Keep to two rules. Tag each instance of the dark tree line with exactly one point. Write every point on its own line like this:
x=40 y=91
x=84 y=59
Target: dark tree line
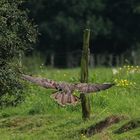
x=114 y=25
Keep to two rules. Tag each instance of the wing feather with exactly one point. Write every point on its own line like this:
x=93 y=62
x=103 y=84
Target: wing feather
x=47 y=83
x=88 y=88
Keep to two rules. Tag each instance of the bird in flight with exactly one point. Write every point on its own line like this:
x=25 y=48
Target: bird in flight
x=64 y=90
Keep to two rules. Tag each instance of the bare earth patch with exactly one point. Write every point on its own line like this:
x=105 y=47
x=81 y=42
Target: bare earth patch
x=128 y=126
x=100 y=126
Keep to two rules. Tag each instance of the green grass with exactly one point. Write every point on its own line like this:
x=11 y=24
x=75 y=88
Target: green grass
x=40 y=118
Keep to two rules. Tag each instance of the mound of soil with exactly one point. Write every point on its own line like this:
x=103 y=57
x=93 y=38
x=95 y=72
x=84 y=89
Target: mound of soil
x=128 y=126
x=100 y=126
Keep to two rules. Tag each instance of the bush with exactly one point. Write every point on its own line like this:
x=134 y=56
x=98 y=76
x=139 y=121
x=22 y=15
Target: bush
x=17 y=35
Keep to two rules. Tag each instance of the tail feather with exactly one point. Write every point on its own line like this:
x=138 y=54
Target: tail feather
x=64 y=99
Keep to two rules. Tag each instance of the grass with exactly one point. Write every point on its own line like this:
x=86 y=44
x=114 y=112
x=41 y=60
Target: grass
x=40 y=118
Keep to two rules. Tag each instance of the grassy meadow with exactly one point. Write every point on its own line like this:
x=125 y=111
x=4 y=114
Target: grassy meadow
x=40 y=118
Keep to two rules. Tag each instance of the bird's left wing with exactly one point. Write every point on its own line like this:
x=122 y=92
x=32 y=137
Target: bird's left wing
x=88 y=88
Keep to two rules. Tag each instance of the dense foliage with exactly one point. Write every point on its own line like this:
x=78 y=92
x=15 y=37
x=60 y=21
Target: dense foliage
x=114 y=24
x=16 y=35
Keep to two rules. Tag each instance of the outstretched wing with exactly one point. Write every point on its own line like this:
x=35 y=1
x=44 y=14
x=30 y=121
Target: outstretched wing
x=88 y=88
x=50 y=84
x=63 y=98
x=47 y=83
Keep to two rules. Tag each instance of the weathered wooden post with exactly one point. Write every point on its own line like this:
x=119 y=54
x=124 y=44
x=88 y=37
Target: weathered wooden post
x=85 y=102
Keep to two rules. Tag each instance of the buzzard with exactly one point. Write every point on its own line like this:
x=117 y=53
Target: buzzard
x=64 y=91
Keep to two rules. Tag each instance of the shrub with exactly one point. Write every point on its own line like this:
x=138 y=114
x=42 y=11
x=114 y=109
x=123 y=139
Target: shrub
x=17 y=34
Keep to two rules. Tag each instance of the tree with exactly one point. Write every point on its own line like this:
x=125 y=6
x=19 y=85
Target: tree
x=124 y=16
x=114 y=25
x=16 y=35
x=61 y=23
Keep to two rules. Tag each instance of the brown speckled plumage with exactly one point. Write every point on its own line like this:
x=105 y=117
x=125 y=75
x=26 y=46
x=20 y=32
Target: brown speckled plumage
x=64 y=94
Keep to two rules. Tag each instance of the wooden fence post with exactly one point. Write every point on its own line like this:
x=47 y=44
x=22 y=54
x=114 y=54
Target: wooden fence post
x=85 y=102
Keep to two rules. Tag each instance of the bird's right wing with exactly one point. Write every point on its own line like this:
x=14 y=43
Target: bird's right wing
x=47 y=83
